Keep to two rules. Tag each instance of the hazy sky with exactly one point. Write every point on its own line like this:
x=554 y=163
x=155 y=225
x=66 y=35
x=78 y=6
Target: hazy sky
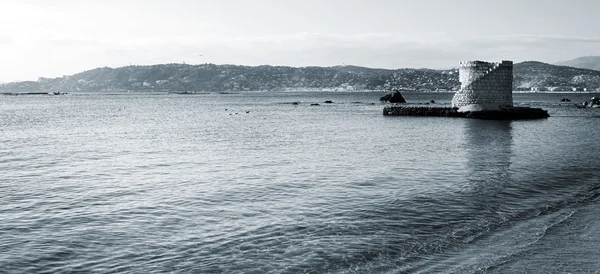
x=52 y=38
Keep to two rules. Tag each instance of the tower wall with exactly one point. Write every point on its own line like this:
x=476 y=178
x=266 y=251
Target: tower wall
x=484 y=85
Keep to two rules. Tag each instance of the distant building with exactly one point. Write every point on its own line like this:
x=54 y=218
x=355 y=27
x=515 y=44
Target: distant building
x=484 y=85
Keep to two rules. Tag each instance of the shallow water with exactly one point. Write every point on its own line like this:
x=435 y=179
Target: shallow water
x=252 y=183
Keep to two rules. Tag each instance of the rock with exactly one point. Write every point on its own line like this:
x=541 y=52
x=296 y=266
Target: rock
x=565 y=100
x=328 y=102
x=432 y=101
x=394 y=97
x=314 y=104
x=594 y=103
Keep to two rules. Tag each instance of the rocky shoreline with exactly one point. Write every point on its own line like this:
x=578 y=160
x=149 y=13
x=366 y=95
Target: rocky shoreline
x=508 y=113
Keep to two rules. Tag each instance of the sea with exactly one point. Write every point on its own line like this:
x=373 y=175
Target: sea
x=283 y=182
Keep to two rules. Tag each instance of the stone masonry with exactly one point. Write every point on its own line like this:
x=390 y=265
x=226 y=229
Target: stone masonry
x=484 y=86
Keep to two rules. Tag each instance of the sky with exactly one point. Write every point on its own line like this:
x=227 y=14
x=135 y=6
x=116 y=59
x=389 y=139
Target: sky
x=42 y=38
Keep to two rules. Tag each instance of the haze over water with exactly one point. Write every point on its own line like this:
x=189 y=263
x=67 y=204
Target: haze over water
x=251 y=183
x=40 y=38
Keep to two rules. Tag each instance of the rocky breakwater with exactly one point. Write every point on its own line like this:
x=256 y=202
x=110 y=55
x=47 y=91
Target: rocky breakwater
x=485 y=93
x=508 y=113
x=397 y=110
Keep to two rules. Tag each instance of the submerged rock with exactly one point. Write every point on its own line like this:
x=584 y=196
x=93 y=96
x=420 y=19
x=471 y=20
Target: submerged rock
x=394 y=97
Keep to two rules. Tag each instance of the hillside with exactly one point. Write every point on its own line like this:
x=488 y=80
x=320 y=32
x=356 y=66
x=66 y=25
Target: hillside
x=211 y=78
x=586 y=62
x=544 y=76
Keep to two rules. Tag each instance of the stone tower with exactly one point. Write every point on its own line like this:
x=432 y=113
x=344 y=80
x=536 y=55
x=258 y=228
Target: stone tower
x=484 y=86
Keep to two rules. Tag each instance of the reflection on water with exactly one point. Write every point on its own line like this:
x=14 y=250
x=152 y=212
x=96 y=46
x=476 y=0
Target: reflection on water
x=489 y=151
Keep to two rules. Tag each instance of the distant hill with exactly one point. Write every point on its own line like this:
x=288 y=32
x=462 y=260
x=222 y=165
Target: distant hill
x=586 y=62
x=211 y=78
x=546 y=76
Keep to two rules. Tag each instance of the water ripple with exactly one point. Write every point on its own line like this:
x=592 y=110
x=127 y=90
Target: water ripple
x=153 y=184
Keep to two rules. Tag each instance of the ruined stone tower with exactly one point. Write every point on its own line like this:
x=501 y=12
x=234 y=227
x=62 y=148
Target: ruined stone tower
x=484 y=86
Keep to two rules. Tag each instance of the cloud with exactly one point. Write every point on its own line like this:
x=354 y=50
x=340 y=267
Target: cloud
x=70 y=42
x=387 y=50
x=546 y=48
x=58 y=55
x=5 y=40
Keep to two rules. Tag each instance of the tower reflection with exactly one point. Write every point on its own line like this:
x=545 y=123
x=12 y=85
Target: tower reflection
x=489 y=151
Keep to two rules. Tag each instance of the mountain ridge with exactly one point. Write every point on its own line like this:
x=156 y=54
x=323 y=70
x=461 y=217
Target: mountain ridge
x=528 y=75
x=587 y=62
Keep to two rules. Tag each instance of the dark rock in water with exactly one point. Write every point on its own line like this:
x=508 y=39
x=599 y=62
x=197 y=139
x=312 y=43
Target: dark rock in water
x=328 y=102
x=314 y=104
x=432 y=101
x=394 y=97
x=294 y=103
x=565 y=100
x=594 y=103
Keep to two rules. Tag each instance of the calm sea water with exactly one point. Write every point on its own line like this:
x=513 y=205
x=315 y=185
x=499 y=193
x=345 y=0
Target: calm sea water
x=252 y=183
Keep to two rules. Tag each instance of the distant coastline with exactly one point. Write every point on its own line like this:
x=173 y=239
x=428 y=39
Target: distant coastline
x=529 y=76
